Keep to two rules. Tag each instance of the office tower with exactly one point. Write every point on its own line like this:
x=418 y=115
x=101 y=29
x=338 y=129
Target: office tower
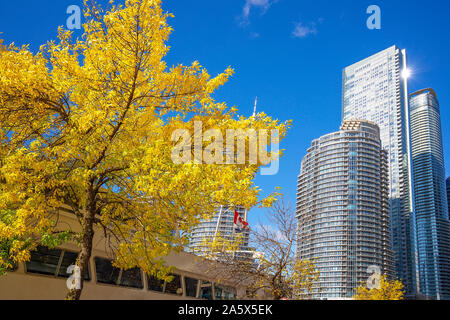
x=432 y=220
x=375 y=89
x=343 y=209
x=221 y=224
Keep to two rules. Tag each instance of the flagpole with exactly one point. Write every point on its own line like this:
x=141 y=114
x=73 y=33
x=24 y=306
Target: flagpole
x=234 y=236
x=234 y=229
x=218 y=222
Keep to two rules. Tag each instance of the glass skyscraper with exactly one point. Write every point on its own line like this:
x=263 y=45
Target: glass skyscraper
x=376 y=89
x=343 y=209
x=431 y=207
x=448 y=194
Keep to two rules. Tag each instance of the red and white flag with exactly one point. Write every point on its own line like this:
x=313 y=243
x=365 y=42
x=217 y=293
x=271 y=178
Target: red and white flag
x=239 y=222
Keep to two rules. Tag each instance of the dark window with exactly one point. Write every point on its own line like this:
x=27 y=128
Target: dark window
x=131 y=278
x=218 y=292
x=206 y=290
x=106 y=272
x=174 y=287
x=222 y=293
x=230 y=295
x=191 y=287
x=155 y=284
x=70 y=258
x=53 y=262
x=44 y=261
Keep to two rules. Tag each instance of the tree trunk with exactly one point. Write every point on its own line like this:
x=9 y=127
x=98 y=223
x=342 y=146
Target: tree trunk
x=86 y=250
x=276 y=294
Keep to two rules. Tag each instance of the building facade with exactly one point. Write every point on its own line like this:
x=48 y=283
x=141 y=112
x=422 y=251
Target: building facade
x=343 y=209
x=448 y=194
x=432 y=218
x=45 y=276
x=376 y=89
x=222 y=224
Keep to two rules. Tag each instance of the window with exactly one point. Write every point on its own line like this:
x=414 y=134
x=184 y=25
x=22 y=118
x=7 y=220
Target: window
x=106 y=272
x=230 y=295
x=206 y=290
x=218 y=291
x=155 y=284
x=69 y=258
x=191 y=287
x=132 y=278
x=222 y=293
x=53 y=262
x=44 y=261
x=174 y=287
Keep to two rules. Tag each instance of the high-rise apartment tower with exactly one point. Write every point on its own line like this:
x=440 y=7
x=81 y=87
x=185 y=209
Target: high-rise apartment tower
x=343 y=209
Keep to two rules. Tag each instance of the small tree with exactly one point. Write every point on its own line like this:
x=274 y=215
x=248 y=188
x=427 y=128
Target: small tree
x=304 y=277
x=273 y=268
x=388 y=290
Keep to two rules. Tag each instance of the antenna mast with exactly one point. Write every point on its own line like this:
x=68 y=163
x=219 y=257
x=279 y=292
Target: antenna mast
x=256 y=104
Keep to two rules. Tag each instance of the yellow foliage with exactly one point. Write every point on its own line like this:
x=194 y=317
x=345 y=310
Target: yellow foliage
x=304 y=277
x=389 y=290
x=220 y=248
x=87 y=123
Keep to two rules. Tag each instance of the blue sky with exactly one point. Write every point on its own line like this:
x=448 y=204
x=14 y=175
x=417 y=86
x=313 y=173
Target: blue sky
x=289 y=53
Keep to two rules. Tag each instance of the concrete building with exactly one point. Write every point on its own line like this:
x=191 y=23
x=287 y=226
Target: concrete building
x=45 y=276
x=343 y=209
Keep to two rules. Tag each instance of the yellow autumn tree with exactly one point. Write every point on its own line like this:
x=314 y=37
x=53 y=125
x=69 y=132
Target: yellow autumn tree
x=87 y=125
x=388 y=290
